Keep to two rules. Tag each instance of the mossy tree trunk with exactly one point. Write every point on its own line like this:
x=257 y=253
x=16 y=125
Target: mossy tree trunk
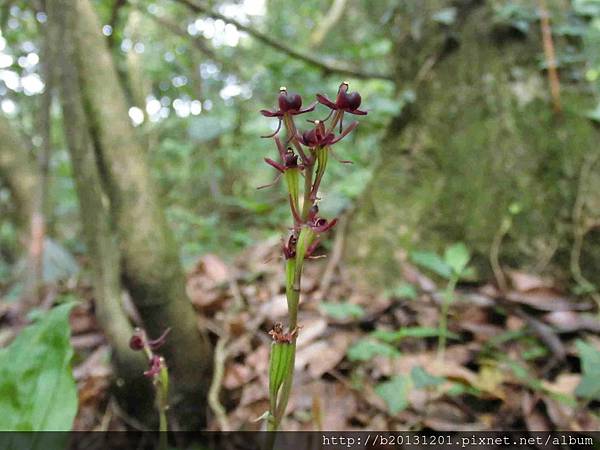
x=151 y=268
x=480 y=136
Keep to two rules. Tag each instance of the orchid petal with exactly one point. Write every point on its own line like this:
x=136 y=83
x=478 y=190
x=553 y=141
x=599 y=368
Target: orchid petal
x=344 y=133
x=267 y=113
x=325 y=101
x=275 y=164
x=273 y=183
x=325 y=227
x=305 y=110
x=357 y=112
x=276 y=131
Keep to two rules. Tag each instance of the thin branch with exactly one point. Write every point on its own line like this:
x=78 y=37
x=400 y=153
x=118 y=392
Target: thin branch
x=332 y=67
x=175 y=29
x=333 y=16
x=550 y=55
x=114 y=17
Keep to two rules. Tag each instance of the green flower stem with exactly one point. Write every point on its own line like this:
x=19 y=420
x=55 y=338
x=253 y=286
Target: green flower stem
x=308 y=182
x=448 y=297
x=162 y=396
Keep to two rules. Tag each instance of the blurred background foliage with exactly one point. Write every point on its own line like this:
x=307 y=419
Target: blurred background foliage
x=195 y=86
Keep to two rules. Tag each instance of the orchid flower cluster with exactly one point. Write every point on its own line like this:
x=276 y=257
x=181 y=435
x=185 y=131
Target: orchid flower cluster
x=301 y=155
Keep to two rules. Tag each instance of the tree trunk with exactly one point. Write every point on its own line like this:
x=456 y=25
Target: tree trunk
x=95 y=218
x=480 y=137
x=18 y=172
x=151 y=267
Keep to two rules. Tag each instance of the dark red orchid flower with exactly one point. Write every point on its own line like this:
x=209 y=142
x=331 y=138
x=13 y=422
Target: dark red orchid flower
x=318 y=224
x=347 y=102
x=320 y=137
x=290 y=104
x=156 y=364
x=289 y=247
x=289 y=160
x=139 y=340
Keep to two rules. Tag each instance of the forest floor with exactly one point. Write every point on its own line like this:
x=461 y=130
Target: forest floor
x=372 y=362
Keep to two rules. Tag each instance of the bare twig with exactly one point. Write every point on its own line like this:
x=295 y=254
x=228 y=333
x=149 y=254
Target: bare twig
x=215 y=386
x=333 y=16
x=327 y=67
x=550 y=55
x=197 y=42
x=495 y=254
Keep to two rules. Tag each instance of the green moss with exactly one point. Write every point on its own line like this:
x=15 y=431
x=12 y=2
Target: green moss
x=483 y=136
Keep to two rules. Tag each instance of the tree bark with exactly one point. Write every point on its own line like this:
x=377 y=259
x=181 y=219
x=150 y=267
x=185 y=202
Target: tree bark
x=95 y=218
x=480 y=137
x=151 y=268
x=18 y=172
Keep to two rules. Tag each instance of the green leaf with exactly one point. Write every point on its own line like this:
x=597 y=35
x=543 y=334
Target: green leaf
x=395 y=392
x=594 y=114
x=407 y=291
x=587 y=7
x=431 y=261
x=342 y=311
x=37 y=388
x=423 y=379
x=282 y=355
x=457 y=257
x=446 y=16
x=589 y=386
x=416 y=332
x=365 y=349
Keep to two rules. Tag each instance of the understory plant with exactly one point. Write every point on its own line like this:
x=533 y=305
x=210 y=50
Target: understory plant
x=302 y=160
x=452 y=267
x=158 y=373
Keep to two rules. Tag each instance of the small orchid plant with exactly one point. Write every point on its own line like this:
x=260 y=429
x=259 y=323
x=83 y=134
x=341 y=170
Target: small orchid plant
x=158 y=373
x=301 y=155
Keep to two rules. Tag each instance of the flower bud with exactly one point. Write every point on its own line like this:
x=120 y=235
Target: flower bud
x=137 y=341
x=289 y=101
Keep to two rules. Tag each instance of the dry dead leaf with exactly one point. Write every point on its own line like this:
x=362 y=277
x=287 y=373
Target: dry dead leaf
x=543 y=299
x=213 y=268
x=569 y=321
x=564 y=384
x=237 y=375
x=523 y=281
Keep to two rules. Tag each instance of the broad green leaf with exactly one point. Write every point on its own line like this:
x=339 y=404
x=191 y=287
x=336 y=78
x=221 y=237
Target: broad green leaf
x=37 y=388
x=342 y=311
x=431 y=261
x=365 y=349
x=395 y=392
x=457 y=257
x=423 y=379
x=589 y=386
